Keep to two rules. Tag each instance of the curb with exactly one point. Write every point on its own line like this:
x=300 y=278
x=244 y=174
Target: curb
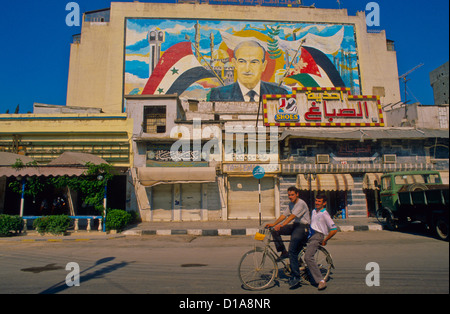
x=55 y=240
x=231 y=232
x=169 y=232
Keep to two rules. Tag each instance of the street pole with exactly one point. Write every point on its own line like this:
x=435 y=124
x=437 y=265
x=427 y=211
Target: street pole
x=259 y=190
x=258 y=173
x=104 y=206
x=22 y=199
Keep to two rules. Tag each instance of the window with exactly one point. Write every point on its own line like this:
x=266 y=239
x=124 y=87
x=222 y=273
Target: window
x=154 y=119
x=386 y=183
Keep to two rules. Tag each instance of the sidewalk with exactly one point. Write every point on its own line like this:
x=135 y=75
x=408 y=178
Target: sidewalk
x=196 y=228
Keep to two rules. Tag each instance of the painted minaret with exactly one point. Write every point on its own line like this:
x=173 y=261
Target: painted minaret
x=155 y=38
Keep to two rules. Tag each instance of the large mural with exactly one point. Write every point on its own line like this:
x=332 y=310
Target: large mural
x=236 y=60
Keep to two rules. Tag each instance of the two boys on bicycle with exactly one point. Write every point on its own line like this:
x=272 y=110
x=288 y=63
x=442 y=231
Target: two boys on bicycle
x=313 y=230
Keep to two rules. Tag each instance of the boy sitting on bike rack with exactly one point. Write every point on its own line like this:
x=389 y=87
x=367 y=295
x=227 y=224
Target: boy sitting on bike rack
x=293 y=221
x=322 y=229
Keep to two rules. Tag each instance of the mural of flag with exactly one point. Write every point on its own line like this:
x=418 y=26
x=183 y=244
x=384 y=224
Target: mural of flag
x=177 y=69
x=325 y=74
x=306 y=64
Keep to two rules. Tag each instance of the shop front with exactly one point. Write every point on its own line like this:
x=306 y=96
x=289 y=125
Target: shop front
x=175 y=193
x=336 y=186
x=243 y=191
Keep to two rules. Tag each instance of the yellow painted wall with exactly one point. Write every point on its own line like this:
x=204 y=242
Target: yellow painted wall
x=55 y=132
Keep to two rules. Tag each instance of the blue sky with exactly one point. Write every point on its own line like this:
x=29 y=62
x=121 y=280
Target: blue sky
x=35 y=45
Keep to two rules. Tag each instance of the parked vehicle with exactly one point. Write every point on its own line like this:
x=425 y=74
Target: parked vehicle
x=415 y=196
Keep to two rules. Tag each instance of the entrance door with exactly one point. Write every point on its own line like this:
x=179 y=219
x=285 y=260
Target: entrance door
x=191 y=201
x=243 y=198
x=162 y=202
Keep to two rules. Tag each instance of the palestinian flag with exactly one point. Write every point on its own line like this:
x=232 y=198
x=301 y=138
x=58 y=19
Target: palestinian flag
x=316 y=70
x=177 y=69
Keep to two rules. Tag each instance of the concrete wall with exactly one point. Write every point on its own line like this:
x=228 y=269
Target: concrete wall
x=427 y=117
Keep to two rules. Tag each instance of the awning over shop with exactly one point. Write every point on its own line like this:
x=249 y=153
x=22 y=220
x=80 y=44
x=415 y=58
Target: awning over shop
x=41 y=171
x=76 y=159
x=68 y=164
x=371 y=180
x=9 y=159
x=152 y=176
x=326 y=182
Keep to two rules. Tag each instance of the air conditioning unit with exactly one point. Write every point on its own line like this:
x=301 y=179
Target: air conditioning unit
x=322 y=159
x=389 y=159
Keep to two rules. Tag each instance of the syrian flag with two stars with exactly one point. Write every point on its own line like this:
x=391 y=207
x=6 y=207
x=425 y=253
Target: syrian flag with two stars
x=177 y=69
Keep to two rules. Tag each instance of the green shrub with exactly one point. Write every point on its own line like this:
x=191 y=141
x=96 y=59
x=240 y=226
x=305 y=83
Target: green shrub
x=57 y=224
x=10 y=224
x=117 y=219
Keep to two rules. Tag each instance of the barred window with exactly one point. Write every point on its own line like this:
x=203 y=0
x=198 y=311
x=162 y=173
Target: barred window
x=155 y=119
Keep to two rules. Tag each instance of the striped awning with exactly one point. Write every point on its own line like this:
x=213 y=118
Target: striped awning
x=326 y=182
x=371 y=181
x=68 y=164
x=45 y=171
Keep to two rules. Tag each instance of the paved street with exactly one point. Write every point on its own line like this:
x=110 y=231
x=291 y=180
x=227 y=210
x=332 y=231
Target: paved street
x=409 y=262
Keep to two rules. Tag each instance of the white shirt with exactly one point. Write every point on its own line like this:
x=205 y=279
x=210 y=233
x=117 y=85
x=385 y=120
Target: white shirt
x=245 y=91
x=322 y=222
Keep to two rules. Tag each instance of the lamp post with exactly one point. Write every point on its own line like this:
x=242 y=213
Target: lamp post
x=22 y=198
x=100 y=178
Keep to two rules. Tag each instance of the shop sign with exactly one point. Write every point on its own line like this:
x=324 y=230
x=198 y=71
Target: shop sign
x=329 y=107
x=247 y=168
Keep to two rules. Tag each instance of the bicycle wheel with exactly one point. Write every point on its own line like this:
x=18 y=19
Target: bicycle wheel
x=257 y=269
x=323 y=260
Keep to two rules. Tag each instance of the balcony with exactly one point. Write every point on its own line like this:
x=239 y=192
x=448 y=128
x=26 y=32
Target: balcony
x=292 y=167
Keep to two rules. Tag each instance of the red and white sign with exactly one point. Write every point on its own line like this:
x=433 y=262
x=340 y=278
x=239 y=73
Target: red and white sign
x=329 y=107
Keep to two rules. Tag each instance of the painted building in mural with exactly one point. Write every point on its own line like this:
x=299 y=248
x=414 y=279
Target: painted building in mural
x=215 y=91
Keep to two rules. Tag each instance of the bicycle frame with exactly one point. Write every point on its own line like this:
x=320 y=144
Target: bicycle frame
x=269 y=250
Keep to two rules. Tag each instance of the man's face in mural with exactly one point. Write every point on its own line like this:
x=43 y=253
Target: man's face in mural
x=249 y=63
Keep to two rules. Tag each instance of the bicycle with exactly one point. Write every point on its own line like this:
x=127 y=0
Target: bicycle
x=258 y=269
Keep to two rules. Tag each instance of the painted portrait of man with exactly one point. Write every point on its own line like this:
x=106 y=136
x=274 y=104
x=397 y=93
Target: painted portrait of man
x=250 y=62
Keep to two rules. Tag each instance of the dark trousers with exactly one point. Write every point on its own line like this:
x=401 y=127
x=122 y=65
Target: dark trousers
x=299 y=234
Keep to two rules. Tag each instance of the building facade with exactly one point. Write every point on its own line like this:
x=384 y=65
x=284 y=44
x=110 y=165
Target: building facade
x=439 y=83
x=54 y=130
x=206 y=93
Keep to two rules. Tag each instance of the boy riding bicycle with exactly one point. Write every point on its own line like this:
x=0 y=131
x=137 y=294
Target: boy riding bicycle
x=293 y=221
